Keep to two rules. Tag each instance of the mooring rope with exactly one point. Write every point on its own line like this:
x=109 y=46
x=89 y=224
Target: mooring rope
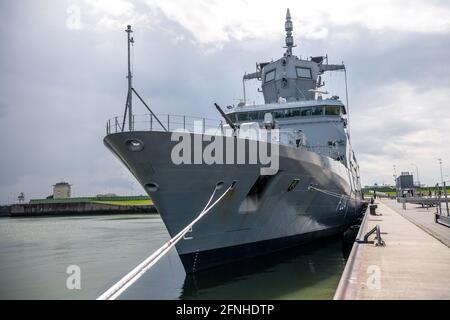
x=117 y=289
x=331 y=193
x=343 y=198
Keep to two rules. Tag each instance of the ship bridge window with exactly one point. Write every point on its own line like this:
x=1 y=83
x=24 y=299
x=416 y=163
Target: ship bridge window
x=232 y=117
x=312 y=111
x=304 y=73
x=248 y=116
x=317 y=111
x=278 y=114
x=242 y=116
x=269 y=76
x=255 y=116
x=306 y=112
x=332 y=111
x=288 y=113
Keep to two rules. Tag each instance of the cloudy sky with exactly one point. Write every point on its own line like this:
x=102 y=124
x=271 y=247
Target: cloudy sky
x=63 y=65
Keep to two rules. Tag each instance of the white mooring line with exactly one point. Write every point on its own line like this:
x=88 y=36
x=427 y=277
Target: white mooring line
x=123 y=284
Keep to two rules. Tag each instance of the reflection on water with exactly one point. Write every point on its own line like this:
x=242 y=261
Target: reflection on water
x=35 y=252
x=310 y=272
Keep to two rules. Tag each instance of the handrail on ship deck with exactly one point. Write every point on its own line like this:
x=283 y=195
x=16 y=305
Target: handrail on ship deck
x=171 y=122
x=148 y=122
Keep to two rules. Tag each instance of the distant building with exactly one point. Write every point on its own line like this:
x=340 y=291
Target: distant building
x=61 y=190
x=405 y=184
x=21 y=197
x=405 y=181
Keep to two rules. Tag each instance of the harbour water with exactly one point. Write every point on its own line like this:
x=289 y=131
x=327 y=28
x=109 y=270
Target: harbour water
x=36 y=252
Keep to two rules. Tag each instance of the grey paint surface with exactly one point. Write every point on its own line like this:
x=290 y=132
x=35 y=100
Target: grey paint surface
x=274 y=212
x=185 y=189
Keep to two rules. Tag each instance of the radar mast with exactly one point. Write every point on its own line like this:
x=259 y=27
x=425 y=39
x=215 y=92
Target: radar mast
x=289 y=38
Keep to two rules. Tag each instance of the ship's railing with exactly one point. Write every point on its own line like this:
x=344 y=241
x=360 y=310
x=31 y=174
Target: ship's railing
x=163 y=122
x=328 y=151
x=169 y=122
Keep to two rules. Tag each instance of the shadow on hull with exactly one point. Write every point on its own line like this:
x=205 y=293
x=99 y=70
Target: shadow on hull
x=287 y=274
x=203 y=260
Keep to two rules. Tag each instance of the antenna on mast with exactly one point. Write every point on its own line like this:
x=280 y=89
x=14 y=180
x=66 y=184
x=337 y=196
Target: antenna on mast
x=128 y=103
x=289 y=38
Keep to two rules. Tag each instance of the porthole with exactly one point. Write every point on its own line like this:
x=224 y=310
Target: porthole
x=219 y=185
x=135 y=145
x=151 y=187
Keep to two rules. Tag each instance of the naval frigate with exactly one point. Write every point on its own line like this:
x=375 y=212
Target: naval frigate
x=313 y=192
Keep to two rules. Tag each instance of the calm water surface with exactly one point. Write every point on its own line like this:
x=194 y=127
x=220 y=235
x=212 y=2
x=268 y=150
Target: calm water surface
x=35 y=254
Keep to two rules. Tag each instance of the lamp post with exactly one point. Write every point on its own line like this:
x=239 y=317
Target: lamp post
x=417 y=172
x=440 y=165
x=395 y=180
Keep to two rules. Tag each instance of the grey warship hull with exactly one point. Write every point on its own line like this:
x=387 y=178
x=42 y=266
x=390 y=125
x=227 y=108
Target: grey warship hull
x=247 y=222
x=312 y=191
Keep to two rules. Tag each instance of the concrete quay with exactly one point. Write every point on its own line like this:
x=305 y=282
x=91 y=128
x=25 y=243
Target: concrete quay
x=413 y=264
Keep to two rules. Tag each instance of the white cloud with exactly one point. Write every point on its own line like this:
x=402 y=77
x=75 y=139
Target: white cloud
x=216 y=22
x=400 y=125
x=116 y=14
x=115 y=8
x=396 y=52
